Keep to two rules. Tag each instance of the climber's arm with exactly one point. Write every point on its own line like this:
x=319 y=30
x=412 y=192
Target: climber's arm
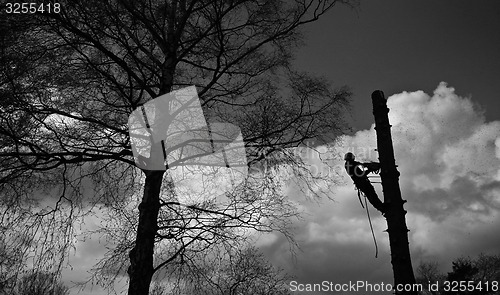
x=372 y=167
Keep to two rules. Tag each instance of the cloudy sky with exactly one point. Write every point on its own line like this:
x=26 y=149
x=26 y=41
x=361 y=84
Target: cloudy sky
x=438 y=63
x=449 y=159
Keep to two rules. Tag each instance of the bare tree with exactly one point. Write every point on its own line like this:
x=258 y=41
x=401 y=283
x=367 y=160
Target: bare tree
x=41 y=283
x=75 y=76
x=488 y=267
x=10 y=262
x=428 y=273
x=481 y=275
x=231 y=270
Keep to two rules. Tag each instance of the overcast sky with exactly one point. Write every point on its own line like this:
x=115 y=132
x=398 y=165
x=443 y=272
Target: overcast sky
x=439 y=64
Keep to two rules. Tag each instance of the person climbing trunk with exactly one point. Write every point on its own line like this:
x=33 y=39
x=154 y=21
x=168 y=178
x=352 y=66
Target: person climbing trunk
x=359 y=174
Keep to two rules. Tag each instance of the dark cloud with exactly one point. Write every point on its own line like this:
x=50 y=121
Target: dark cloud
x=463 y=194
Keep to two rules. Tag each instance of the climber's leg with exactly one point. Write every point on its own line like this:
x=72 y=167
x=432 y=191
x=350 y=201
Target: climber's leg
x=367 y=188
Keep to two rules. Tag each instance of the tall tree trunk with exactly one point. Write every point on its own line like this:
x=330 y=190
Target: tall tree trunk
x=141 y=267
x=141 y=256
x=395 y=213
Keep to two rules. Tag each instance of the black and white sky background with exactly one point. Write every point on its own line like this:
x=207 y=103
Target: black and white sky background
x=439 y=64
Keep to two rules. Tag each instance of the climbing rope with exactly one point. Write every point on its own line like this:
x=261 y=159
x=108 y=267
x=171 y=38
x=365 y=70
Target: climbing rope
x=365 y=206
x=359 y=197
x=371 y=227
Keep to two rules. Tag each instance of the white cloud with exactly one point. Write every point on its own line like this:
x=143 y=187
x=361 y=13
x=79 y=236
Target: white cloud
x=445 y=150
x=60 y=121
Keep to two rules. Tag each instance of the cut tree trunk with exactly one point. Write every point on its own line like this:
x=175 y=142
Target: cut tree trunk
x=395 y=213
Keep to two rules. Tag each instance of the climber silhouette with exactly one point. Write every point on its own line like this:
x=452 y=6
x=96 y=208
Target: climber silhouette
x=359 y=174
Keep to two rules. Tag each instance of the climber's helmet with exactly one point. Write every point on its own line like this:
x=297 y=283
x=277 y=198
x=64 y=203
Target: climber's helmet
x=349 y=157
